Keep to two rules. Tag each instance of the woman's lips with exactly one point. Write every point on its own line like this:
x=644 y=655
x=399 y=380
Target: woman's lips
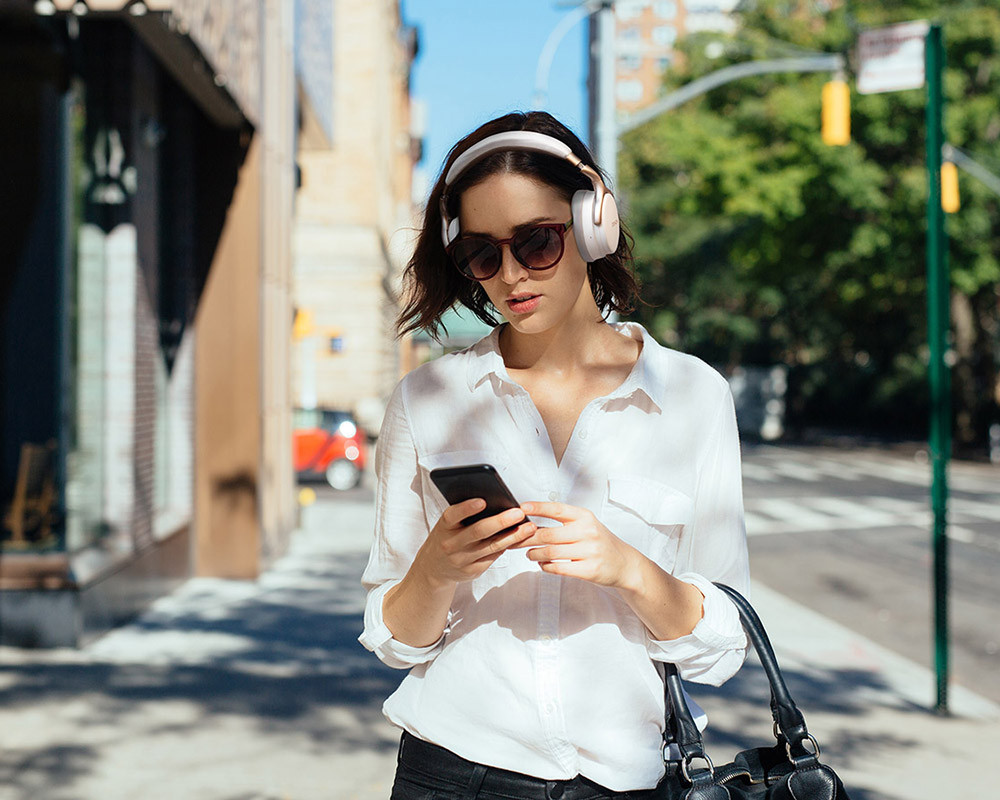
x=522 y=305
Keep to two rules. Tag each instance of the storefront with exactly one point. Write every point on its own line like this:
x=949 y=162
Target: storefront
x=143 y=249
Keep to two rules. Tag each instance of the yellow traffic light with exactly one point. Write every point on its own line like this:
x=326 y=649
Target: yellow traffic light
x=303 y=325
x=949 y=187
x=836 y=112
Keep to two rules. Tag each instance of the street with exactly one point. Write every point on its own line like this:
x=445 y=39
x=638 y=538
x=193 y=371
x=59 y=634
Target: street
x=847 y=533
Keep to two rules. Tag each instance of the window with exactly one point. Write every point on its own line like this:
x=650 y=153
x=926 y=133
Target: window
x=629 y=63
x=665 y=10
x=665 y=35
x=629 y=91
x=629 y=9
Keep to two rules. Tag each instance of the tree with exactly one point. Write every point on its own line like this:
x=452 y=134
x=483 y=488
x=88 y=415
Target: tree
x=756 y=243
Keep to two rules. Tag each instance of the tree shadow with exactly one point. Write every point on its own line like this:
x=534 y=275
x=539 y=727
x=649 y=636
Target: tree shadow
x=281 y=655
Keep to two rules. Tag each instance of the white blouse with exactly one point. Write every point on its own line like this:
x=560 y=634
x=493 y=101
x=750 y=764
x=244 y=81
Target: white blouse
x=538 y=673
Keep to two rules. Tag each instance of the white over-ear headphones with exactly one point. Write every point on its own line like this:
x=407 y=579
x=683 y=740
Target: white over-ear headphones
x=595 y=215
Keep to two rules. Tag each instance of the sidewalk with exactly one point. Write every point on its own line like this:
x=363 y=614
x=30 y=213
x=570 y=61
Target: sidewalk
x=259 y=691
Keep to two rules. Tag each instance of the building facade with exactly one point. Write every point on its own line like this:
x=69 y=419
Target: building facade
x=645 y=34
x=353 y=209
x=145 y=303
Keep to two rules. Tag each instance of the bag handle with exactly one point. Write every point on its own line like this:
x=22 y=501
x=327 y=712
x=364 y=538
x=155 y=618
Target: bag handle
x=681 y=728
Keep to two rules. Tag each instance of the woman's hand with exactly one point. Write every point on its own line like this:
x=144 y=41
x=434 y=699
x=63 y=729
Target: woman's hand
x=582 y=547
x=454 y=553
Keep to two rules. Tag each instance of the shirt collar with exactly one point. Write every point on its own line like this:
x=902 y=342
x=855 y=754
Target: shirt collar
x=648 y=376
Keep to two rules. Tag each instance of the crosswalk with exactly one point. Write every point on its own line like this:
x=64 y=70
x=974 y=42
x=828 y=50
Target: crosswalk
x=776 y=464
x=801 y=491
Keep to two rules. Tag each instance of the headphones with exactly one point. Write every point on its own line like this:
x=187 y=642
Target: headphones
x=595 y=214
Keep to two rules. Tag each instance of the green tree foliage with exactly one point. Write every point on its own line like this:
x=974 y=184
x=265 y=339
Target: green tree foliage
x=758 y=244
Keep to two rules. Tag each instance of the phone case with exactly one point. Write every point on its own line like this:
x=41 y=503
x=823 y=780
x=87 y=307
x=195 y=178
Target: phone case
x=474 y=480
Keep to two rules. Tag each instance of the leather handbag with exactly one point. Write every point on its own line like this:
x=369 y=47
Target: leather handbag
x=788 y=770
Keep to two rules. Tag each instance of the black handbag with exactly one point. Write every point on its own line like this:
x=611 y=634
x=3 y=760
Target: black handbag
x=789 y=770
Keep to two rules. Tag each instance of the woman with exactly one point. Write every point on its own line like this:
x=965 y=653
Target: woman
x=533 y=636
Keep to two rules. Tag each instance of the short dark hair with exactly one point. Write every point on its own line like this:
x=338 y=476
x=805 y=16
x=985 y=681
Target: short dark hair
x=432 y=283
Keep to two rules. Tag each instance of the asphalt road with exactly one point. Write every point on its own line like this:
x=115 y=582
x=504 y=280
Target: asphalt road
x=847 y=532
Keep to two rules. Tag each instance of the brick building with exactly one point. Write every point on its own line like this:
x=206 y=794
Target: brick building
x=645 y=34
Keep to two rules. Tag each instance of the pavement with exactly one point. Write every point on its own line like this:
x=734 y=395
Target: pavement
x=231 y=690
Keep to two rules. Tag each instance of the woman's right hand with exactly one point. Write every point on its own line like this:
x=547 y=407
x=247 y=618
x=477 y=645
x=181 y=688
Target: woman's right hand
x=454 y=553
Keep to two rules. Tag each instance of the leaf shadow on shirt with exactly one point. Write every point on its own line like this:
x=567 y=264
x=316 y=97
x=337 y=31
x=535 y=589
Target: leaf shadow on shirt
x=513 y=606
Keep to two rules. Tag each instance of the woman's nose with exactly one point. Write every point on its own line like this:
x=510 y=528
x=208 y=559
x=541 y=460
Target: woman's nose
x=511 y=270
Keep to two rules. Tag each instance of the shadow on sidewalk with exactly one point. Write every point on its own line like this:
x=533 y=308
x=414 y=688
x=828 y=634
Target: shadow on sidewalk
x=280 y=655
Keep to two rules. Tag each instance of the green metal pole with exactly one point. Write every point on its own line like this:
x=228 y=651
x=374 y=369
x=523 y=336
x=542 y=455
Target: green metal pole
x=938 y=297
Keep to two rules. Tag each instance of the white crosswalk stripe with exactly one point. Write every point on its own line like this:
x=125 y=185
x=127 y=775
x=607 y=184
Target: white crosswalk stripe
x=804 y=514
x=773 y=464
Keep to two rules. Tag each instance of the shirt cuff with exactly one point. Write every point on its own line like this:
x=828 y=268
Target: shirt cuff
x=377 y=637
x=714 y=651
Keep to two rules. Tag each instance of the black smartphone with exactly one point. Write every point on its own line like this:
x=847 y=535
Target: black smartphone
x=474 y=480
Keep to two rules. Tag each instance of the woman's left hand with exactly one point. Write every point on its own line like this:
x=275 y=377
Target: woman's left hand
x=581 y=547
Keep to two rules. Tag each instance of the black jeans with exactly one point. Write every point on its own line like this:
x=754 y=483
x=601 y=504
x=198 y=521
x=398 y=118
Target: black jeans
x=425 y=771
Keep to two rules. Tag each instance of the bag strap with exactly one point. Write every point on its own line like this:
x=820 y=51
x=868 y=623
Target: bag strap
x=681 y=729
x=786 y=714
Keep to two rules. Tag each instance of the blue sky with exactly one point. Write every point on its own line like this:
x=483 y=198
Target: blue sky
x=478 y=60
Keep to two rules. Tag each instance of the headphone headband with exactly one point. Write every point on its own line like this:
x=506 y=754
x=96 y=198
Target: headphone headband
x=593 y=202
x=523 y=140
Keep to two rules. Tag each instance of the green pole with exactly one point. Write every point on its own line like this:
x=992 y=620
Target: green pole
x=938 y=296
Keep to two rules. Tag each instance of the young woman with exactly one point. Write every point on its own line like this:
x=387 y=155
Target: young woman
x=532 y=637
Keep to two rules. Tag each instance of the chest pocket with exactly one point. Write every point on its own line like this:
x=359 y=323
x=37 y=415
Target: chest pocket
x=434 y=502
x=649 y=515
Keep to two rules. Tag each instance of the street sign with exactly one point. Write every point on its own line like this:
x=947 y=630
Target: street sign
x=891 y=59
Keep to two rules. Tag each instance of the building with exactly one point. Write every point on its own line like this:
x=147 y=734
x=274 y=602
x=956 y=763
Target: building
x=354 y=211
x=145 y=302
x=645 y=34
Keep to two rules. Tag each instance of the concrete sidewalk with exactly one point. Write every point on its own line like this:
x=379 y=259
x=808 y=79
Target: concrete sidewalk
x=259 y=691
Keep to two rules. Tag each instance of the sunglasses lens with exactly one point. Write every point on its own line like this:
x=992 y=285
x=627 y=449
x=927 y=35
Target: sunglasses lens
x=537 y=248
x=477 y=258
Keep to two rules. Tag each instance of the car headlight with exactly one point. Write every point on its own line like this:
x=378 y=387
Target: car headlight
x=352 y=452
x=347 y=428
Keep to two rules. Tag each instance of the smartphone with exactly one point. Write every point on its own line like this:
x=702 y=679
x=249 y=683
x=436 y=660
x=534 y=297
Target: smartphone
x=474 y=480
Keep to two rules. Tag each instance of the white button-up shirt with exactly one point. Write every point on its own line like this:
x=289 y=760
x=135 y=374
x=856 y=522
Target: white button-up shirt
x=538 y=673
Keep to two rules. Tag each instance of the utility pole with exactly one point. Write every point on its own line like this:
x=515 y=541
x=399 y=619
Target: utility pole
x=938 y=323
x=604 y=132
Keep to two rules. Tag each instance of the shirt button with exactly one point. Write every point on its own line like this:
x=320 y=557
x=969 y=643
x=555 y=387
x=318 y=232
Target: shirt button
x=583 y=434
x=553 y=496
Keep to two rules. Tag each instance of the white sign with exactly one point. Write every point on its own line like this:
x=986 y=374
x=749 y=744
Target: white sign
x=892 y=58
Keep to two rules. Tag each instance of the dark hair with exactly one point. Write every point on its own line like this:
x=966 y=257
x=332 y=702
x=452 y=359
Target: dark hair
x=433 y=285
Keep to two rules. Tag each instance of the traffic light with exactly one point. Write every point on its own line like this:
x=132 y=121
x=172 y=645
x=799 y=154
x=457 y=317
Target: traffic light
x=303 y=324
x=836 y=112
x=949 y=187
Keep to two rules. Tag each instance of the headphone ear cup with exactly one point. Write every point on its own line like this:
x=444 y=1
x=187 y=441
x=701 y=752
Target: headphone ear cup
x=449 y=230
x=610 y=229
x=595 y=242
x=583 y=225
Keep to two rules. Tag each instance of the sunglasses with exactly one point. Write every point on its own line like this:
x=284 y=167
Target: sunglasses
x=535 y=247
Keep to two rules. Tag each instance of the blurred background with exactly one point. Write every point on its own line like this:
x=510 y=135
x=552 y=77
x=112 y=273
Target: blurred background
x=207 y=208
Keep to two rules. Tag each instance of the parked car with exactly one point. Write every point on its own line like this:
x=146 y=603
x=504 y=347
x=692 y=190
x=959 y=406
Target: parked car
x=328 y=445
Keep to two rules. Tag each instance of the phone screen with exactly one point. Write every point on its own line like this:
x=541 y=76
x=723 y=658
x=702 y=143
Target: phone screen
x=474 y=480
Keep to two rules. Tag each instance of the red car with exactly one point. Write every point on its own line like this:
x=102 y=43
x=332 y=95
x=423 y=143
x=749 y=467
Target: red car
x=328 y=445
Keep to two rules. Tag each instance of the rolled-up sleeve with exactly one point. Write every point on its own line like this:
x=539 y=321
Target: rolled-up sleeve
x=400 y=530
x=713 y=548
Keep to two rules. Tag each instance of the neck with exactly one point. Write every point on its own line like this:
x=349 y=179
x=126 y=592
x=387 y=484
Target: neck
x=581 y=340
